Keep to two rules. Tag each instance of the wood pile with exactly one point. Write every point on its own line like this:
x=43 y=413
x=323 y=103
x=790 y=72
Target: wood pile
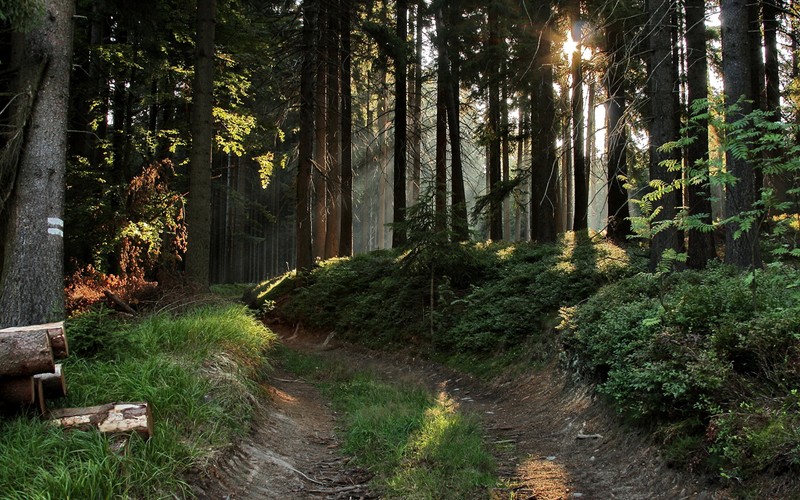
x=29 y=376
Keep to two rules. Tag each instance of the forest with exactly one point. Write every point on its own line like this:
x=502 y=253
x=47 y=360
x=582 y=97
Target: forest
x=601 y=193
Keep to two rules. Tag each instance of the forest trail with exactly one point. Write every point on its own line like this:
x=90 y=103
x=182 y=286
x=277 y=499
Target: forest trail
x=550 y=439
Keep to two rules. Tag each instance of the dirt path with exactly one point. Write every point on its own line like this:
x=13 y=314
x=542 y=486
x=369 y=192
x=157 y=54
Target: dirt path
x=552 y=441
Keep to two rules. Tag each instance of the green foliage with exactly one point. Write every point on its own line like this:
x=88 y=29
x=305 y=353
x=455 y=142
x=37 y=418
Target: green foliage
x=703 y=354
x=768 y=145
x=532 y=282
x=22 y=16
x=417 y=444
x=195 y=372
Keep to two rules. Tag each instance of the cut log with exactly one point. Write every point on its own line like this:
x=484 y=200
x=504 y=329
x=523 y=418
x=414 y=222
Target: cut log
x=53 y=384
x=40 y=401
x=17 y=390
x=119 y=302
x=25 y=353
x=56 y=332
x=112 y=418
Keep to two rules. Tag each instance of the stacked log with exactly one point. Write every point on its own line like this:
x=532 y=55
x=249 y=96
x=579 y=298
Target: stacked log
x=30 y=376
x=29 y=352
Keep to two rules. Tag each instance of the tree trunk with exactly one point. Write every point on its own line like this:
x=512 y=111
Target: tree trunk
x=544 y=162
x=416 y=110
x=780 y=183
x=31 y=285
x=320 y=173
x=346 y=237
x=506 y=160
x=581 y=182
x=459 y=222
x=493 y=129
x=441 y=131
x=198 y=213
x=400 y=126
x=700 y=244
x=333 y=135
x=113 y=418
x=618 y=226
x=663 y=120
x=741 y=251
x=306 y=147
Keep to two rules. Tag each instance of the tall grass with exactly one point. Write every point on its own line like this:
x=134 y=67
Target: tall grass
x=196 y=372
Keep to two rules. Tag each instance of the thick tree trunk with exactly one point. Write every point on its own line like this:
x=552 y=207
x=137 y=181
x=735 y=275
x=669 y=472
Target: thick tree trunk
x=198 y=212
x=113 y=418
x=700 y=244
x=306 y=147
x=400 y=126
x=780 y=183
x=544 y=161
x=663 y=119
x=25 y=353
x=31 y=285
x=741 y=251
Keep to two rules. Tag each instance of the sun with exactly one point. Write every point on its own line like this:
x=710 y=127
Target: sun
x=570 y=45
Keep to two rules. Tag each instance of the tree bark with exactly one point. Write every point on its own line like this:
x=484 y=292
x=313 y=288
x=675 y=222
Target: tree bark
x=663 y=119
x=700 y=244
x=17 y=390
x=25 y=353
x=346 y=237
x=54 y=331
x=544 y=162
x=619 y=225
x=459 y=223
x=306 y=147
x=416 y=110
x=493 y=129
x=53 y=385
x=742 y=251
x=400 y=126
x=198 y=212
x=441 y=132
x=320 y=172
x=112 y=418
x=333 y=134
x=581 y=182
x=31 y=285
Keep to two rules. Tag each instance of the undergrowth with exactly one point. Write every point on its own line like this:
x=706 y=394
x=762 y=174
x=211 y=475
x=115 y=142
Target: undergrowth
x=196 y=371
x=712 y=357
x=418 y=444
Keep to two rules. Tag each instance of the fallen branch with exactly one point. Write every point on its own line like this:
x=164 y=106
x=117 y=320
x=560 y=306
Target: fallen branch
x=112 y=418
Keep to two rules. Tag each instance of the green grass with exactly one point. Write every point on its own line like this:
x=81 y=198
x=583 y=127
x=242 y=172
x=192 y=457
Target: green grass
x=197 y=373
x=418 y=444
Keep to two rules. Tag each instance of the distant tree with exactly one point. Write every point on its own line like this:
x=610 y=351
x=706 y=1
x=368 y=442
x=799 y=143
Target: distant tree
x=31 y=285
x=198 y=213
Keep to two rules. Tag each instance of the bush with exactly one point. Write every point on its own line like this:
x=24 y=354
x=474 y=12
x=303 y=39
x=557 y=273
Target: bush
x=712 y=355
